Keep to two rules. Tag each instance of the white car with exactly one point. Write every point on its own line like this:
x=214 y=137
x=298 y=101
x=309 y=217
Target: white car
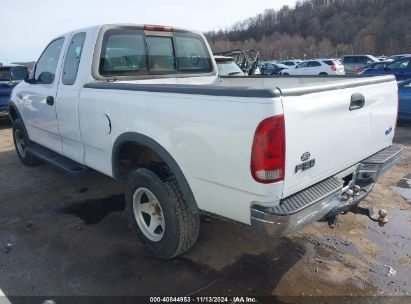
x=144 y=105
x=227 y=66
x=316 y=67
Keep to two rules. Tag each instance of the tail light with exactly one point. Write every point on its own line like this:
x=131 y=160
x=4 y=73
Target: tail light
x=160 y=28
x=334 y=68
x=268 y=151
x=358 y=70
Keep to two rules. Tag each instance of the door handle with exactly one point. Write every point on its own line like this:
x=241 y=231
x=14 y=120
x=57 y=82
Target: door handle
x=357 y=101
x=50 y=100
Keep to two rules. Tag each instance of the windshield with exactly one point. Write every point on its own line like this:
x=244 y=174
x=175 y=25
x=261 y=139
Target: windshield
x=229 y=68
x=13 y=73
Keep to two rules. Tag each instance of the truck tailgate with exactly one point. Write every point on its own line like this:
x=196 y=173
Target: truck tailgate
x=324 y=136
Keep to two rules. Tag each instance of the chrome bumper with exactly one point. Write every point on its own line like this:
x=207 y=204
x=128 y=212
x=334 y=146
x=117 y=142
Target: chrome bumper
x=323 y=199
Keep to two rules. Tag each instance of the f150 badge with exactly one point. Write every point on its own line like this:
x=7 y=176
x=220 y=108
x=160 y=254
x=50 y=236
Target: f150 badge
x=306 y=164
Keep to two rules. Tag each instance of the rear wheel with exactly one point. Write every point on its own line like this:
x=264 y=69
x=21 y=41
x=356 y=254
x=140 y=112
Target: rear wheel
x=286 y=74
x=158 y=212
x=21 y=142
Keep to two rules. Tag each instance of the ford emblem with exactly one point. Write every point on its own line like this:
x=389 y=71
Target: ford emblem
x=305 y=156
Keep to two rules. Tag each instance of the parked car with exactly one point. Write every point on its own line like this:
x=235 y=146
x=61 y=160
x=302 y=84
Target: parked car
x=404 y=91
x=374 y=65
x=247 y=60
x=290 y=63
x=396 y=57
x=227 y=66
x=144 y=104
x=353 y=63
x=10 y=75
x=272 y=68
x=400 y=68
x=316 y=67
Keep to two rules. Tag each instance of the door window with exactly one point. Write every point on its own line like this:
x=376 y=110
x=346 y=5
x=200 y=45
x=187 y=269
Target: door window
x=314 y=64
x=47 y=64
x=302 y=65
x=399 y=64
x=72 y=60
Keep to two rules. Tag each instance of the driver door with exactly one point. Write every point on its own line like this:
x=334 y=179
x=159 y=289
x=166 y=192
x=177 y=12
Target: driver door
x=39 y=95
x=301 y=69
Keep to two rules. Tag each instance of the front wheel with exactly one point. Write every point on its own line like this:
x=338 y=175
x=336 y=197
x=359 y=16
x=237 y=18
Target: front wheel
x=159 y=214
x=21 y=142
x=286 y=74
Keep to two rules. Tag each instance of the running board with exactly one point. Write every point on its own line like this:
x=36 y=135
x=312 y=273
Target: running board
x=57 y=160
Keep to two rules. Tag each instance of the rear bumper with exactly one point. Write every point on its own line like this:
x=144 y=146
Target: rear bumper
x=325 y=198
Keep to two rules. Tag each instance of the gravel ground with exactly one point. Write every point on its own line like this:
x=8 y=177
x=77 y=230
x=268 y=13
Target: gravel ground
x=70 y=236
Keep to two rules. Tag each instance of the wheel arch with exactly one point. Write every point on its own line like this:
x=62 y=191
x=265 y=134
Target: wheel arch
x=143 y=140
x=14 y=114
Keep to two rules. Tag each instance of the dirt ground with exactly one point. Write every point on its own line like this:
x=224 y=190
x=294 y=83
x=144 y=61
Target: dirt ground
x=61 y=235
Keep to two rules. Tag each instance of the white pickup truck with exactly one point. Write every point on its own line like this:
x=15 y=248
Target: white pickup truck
x=145 y=105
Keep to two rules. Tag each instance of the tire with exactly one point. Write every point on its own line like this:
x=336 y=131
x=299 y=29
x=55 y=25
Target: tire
x=21 y=141
x=323 y=73
x=158 y=186
x=285 y=74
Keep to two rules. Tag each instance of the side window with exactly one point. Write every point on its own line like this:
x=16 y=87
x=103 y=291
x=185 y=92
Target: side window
x=47 y=64
x=160 y=53
x=123 y=53
x=399 y=64
x=302 y=65
x=347 y=60
x=314 y=64
x=72 y=60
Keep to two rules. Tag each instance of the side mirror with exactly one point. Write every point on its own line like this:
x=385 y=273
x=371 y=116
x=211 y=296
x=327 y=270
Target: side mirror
x=46 y=77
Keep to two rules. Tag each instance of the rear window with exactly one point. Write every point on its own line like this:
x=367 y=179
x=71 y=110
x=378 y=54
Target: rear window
x=192 y=54
x=161 y=54
x=129 y=52
x=358 y=60
x=13 y=73
x=123 y=53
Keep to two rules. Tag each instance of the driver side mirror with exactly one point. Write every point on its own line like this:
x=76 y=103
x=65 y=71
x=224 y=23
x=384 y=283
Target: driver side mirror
x=46 y=77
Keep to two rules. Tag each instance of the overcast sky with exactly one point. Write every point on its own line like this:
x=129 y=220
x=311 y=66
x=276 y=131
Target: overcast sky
x=26 y=26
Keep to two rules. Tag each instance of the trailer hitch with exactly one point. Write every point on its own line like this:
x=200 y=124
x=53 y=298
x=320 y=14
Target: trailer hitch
x=381 y=216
